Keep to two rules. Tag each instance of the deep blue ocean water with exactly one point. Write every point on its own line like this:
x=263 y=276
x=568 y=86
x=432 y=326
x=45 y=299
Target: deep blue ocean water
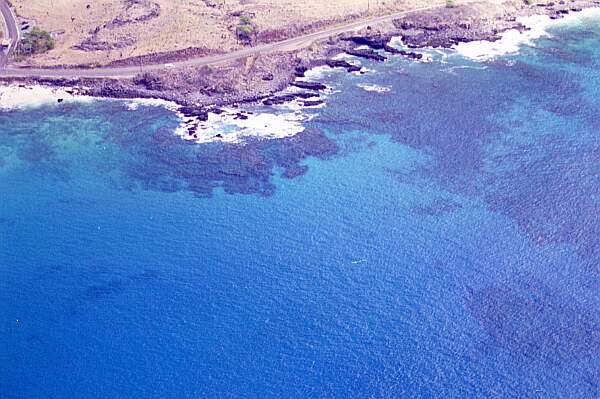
x=439 y=240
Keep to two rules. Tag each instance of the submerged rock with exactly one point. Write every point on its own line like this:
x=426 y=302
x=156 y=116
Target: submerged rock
x=411 y=55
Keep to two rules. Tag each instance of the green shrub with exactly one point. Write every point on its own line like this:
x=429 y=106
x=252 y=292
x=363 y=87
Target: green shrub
x=244 y=32
x=36 y=41
x=245 y=20
x=450 y=4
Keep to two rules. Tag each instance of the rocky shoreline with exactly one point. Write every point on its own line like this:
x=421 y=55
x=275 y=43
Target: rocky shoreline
x=262 y=79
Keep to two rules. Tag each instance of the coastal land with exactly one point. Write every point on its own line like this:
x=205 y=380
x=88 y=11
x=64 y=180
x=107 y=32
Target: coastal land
x=208 y=54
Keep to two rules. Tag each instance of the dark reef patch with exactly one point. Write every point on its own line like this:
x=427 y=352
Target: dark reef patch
x=553 y=197
x=552 y=186
x=103 y=290
x=147 y=154
x=164 y=163
x=117 y=285
x=531 y=320
x=437 y=207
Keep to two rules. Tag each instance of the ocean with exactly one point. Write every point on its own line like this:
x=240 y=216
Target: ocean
x=432 y=231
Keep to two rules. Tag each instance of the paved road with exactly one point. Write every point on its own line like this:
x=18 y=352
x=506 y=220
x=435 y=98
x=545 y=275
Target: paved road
x=285 y=45
x=10 y=28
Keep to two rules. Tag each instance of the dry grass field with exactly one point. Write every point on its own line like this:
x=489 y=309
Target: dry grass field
x=101 y=31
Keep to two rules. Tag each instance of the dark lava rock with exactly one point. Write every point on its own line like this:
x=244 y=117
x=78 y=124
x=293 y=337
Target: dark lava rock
x=268 y=77
x=312 y=103
x=367 y=54
x=309 y=85
x=286 y=98
x=391 y=49
x=150 y=81
x=300 y=71
x=343 y=64
x=411 y=55
x=436 y=28
x=241 y=116
x=376 y=42
x=60 y=100
x=407 y=25
x=194 y=112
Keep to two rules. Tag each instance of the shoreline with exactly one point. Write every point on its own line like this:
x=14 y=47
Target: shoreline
x=198 y=92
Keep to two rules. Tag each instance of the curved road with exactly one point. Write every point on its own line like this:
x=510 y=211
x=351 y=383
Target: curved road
x=10 y=30
x=131 y=71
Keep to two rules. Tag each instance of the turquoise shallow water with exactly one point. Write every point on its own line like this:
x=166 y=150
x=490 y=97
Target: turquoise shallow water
x=436 y=240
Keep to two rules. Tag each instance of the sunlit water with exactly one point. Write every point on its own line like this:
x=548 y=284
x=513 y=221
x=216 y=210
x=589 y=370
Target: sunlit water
x=433 y=232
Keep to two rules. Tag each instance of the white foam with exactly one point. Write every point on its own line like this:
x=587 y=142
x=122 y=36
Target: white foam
x=227 y=127
x=316 y=73
x=133 y=104
x=512 y=40
x=452 y=70
x=374 y=88
x=397 y=42
x=345 y=57
x=364 y=71
x=31 y=96
x=297 y=105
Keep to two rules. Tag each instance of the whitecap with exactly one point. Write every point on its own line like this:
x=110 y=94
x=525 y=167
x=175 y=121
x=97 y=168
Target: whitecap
x=134 y=103
x=345 y=57
x=316 y=73
x=374 y=88
x=511 y=41
x=298 y=105
x=229 y=127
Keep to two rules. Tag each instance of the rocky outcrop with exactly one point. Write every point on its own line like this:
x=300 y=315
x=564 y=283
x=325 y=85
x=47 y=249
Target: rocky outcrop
x=312 y=103
x=368 y=54
x=277 y=100
x=309 y=85
x=377 y=42
x=300 y=70
x=194 y=112
x=343 y=64
x=411 y=55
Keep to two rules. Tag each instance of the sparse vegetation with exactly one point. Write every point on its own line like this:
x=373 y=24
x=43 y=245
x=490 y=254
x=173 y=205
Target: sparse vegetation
x=528 y=2
x=245 y=31
x=450 y=4
x=149 y=81
x=36 y=41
